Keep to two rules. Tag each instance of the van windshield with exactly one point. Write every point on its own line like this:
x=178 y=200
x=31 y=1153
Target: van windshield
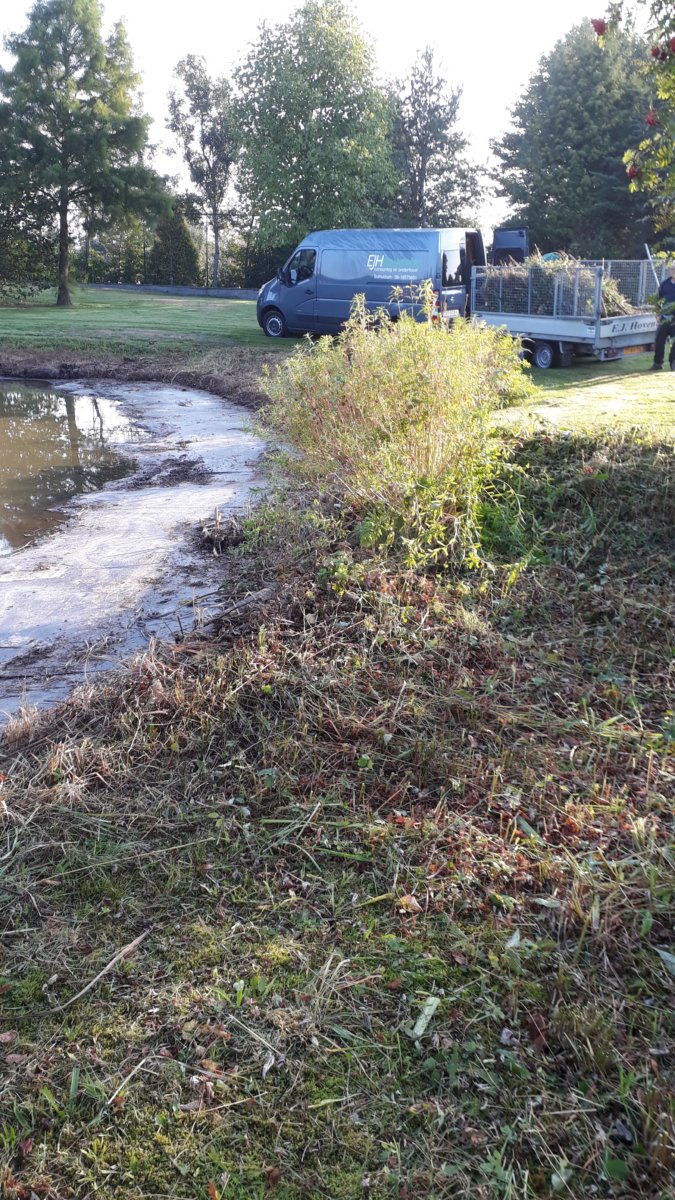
x=301 y=266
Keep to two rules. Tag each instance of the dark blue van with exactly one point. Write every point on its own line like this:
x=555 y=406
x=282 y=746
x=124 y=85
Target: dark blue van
x=314 y=290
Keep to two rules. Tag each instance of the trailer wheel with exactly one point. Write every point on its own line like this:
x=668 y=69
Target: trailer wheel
x=274 y=324
x=542 y=355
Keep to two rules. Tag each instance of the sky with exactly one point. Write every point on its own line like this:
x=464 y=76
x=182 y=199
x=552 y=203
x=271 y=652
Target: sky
x=488 y=49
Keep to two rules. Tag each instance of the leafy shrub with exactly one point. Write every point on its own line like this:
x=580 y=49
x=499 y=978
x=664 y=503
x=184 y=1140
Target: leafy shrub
x=13 y=293
x=395 y=418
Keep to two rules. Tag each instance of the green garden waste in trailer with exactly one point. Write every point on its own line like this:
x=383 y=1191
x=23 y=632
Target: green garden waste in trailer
x=559 y=309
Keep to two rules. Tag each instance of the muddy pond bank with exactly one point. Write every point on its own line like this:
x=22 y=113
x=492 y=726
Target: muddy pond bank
x=125 y=566
x=233 y=373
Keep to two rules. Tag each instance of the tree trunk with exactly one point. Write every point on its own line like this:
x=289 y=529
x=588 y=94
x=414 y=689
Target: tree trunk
x=216 y=255
x=63 y=298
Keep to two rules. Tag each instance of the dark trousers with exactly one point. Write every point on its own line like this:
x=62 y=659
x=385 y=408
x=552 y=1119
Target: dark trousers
x=665 y=330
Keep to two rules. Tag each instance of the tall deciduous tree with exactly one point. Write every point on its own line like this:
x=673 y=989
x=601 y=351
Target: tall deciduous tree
x=562 y=165
x=72 y=135
x=438 y=183
x=202 y=116
x=315 y=126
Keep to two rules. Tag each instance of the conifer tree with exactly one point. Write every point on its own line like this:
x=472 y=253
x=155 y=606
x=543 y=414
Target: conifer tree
x=562 y=165
x=71 y=131
x=438 y=183
x=174 y=258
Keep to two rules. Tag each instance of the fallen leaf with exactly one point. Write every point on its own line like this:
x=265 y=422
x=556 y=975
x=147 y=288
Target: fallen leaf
x=210 y=1065
x=537 y=1027
x=273 y=1176
x=615 y=1169
x=10 y=1035
x=409 y=904
x=17 y=1059
x=213 y=1191
x=428 y=1009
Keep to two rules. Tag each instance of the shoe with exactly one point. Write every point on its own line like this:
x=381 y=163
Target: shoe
x=656 y=367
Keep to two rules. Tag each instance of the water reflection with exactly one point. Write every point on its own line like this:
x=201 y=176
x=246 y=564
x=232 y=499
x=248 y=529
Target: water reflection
x=53 y=446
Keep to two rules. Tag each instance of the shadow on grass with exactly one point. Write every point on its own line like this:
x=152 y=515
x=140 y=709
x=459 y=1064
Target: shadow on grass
x=579 y=499
x=587 y=373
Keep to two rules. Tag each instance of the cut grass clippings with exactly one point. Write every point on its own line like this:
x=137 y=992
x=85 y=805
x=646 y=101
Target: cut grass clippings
x=390 y=862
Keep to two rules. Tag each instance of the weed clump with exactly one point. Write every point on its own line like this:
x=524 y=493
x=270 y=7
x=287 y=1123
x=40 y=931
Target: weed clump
x=394 y=417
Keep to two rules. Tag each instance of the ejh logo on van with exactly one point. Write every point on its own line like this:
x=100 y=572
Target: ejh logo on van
x=374 y=261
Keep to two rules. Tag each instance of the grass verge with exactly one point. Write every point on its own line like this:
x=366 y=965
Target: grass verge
x=191 y=341
x=592 y=396
x=389 y=860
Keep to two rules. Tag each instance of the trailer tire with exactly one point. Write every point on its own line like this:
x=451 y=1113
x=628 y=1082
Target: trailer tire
x=542 y=355
x=274 y=325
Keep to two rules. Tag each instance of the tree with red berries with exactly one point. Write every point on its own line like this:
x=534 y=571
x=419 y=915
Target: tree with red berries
x=650 y=166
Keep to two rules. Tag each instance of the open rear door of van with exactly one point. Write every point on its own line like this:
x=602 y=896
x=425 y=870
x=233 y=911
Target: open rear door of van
x=475 y=248
x=509 y=244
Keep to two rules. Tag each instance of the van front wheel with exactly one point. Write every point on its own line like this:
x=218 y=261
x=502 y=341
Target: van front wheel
x=273 y=324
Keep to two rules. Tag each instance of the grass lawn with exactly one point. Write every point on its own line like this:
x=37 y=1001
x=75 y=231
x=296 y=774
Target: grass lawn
x=130 y=321
x=592 y=396
x=201 y=331
x=370 y=893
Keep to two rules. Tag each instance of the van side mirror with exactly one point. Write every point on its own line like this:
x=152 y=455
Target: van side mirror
x=280 y=275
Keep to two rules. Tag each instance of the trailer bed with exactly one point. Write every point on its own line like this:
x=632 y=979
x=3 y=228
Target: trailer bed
x=559 y=310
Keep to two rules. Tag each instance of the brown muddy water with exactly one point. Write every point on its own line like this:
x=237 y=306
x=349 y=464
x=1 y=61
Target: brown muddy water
x=54 y=446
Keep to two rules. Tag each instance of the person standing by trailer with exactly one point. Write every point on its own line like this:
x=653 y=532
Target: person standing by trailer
x=666 y=327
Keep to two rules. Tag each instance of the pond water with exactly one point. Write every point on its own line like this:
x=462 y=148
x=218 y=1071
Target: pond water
x=103 y=489
x=54 y=446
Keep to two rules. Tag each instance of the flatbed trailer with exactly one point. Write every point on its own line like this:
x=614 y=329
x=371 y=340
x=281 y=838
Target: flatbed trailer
x=558 y=310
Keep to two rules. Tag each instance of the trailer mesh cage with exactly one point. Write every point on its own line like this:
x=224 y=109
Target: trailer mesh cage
x=564 y=289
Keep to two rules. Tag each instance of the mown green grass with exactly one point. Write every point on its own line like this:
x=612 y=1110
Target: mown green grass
x=399 y=848
x=385 y=793
x=127 y=319
x=592 y=396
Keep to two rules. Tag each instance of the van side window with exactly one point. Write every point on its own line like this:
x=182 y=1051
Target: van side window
x=301 y=265
x=451 y=261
